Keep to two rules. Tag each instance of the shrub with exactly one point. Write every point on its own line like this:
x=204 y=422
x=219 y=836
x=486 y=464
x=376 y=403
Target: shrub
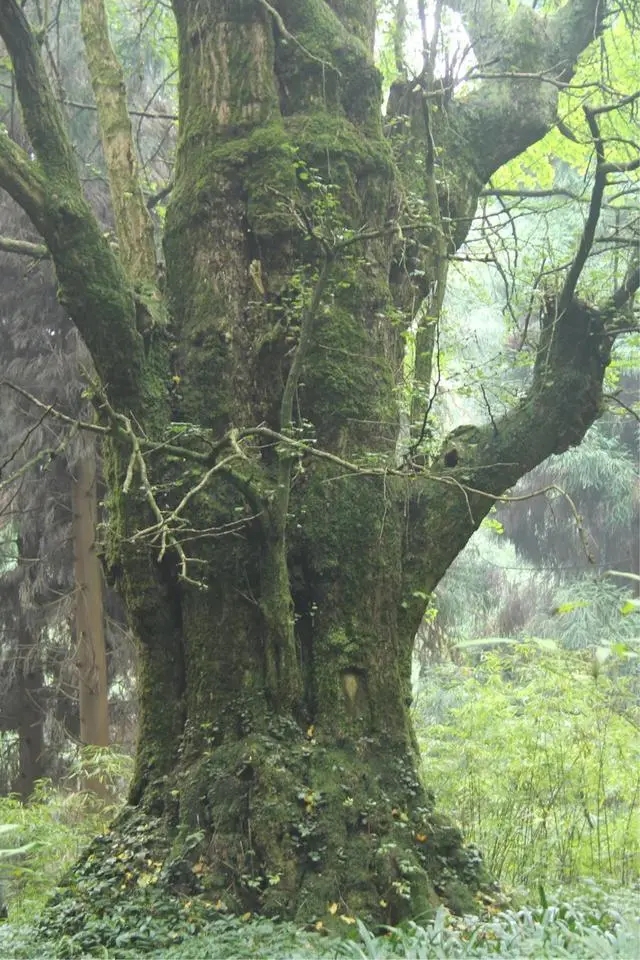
x=536 y=752
x=52 y=829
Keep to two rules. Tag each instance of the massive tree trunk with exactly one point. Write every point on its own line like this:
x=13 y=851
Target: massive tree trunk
x=276 y=549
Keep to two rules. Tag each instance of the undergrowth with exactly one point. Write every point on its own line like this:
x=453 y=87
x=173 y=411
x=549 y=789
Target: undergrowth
x=55 y=826
x=591 y=924
x=534 y=751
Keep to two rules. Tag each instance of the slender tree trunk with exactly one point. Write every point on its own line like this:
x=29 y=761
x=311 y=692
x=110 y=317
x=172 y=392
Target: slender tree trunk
x=89 y=613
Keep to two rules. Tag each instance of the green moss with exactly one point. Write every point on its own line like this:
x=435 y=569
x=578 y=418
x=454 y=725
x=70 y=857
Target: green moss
x=265 y=163
x=322 y=134
x=329 y=66
x=94 y=289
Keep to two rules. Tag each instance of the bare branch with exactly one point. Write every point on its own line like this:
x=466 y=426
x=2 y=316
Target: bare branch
x=621 y=167
x=149 y=445
x=142 y=114
x=24 y=440
x=625 y=406
x=532 y=194
x=41 y=457
x=608 y=107
x=595 y=206
x=51 y=411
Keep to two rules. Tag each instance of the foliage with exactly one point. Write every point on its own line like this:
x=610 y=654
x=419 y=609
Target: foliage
x=592 y=923
x=488 y=592
x=583 y=929
x=53 y=828
x=523 y=731
x=537 y=754
x=588 y=612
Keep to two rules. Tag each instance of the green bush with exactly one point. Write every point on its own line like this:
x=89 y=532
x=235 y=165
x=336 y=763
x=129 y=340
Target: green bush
x=53 y=827
x=536 y=753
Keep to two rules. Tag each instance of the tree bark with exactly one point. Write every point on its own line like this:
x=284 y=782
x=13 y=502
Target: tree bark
x=273 y=554
x=89 y=612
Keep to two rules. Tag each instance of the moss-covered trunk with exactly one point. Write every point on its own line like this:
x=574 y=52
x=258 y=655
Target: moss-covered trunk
x=275 y=695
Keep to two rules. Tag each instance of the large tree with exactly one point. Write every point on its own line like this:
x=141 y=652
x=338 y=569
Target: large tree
x=274 y=541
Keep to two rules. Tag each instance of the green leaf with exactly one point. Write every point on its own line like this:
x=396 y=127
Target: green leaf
x=570 y=606
x=17 y=851
x=8 y=827
x=629 y=606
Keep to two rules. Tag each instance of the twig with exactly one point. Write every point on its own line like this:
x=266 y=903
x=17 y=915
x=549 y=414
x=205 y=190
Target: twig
x=22 y=443
x=488 y=406
x=51 y=411
x=588 y=233
x=44 y=455
x=625 y=406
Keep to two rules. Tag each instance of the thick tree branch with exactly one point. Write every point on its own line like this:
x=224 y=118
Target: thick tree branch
x=92 y=284
x=531 y=58
x=24 y=248
x=564 y=399
x=504 y=116
x=42 y=115
x=573 y=28
x=134 y=228
x=497 y=31
x=21 y=178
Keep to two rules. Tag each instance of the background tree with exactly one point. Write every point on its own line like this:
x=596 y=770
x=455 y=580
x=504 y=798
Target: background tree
x=274 y=548
x=36 y=587
x=45 y=524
